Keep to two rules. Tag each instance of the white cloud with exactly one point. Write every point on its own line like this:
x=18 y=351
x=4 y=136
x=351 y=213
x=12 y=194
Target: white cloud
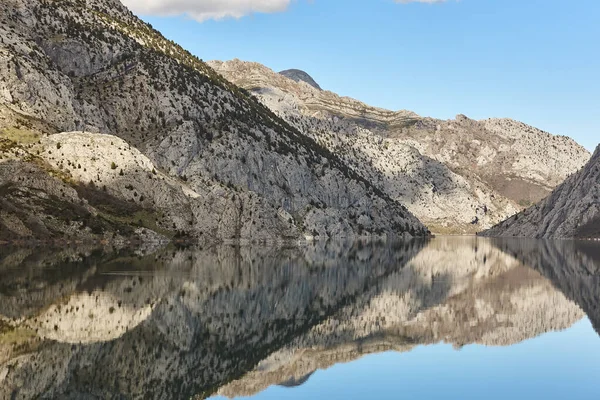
x=202 y=10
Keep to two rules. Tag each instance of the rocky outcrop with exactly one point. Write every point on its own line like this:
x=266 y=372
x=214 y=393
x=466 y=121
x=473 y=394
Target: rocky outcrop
x=572 y=210
x=456 y=176
x=36 y=204
x=92 y=66
x=233 y=320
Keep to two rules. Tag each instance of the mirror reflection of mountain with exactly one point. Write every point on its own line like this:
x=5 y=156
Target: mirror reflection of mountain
x=200 y=319
x=467 y=292
x=572 y=266
x=234 y=321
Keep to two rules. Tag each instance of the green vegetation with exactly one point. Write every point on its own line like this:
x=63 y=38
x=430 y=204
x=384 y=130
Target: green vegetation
x=121 y=213
x=14 y=336
x=20 y=136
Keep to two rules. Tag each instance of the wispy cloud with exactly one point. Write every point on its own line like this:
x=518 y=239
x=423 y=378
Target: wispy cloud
x=202 y=10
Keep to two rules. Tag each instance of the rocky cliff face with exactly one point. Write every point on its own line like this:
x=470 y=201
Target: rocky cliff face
x=456 y=176
x=235 y=320
x=39 y=202
x=572 y=210
x=91 y=66
x=88 y=186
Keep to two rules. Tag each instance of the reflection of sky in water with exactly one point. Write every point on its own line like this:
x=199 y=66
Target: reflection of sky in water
x=557 y=365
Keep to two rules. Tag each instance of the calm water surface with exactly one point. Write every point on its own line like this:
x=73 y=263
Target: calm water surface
x=452 y=318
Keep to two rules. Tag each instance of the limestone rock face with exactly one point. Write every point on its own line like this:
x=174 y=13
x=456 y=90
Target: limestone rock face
x=83 y=186
x=30 y=200
x=456 y=176
x=572 y=210
x=92 y=66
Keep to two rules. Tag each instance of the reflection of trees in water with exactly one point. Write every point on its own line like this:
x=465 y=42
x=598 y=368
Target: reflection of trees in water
x=199 y=320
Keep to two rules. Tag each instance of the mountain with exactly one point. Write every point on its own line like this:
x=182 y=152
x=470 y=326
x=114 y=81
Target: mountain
x=572 y=210
x=192 y=155
x=300 y=76
x=456 y=176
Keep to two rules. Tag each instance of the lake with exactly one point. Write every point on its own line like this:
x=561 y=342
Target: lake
x=448 y=317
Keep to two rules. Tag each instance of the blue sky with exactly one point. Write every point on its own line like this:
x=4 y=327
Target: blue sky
x=532 y=60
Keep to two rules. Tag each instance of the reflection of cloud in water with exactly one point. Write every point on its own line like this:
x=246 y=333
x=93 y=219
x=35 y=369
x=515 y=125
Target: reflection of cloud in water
x=237 y=320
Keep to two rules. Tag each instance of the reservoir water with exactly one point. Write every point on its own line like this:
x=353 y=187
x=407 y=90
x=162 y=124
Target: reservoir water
x=449 y=317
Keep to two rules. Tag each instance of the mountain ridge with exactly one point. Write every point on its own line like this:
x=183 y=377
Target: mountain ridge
x=73 y=65
x=309 y=162
x=457 y=176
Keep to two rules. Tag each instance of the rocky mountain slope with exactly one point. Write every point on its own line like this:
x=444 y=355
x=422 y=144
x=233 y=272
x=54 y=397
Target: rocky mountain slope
x=98 y=186
x=92 y=66
x=572 y=210
x=233 y=320
x=456 y=176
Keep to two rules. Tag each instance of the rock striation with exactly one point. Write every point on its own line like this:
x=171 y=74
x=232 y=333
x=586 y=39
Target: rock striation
x=86 y=186
x=457 y=176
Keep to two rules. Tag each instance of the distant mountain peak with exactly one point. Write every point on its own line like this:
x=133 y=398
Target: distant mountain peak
x=300 y=76
x=497 y=167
